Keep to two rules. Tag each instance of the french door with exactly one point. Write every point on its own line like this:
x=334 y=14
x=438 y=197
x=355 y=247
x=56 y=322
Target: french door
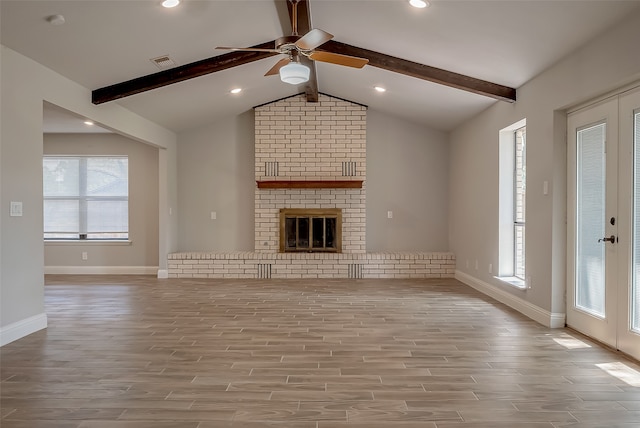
x=603 y=293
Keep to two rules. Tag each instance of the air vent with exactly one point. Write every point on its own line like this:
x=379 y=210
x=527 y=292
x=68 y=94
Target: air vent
x=264 y=270
x=356 y=271
x=163 y=62
x=271 y=169
x=349 y=169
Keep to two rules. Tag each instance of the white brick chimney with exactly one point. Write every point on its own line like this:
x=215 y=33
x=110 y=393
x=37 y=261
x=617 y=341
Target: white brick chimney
x=301 y=141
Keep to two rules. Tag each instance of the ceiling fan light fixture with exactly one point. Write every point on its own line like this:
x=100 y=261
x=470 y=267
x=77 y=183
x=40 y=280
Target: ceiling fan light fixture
x=294 y=73
x=419 y=3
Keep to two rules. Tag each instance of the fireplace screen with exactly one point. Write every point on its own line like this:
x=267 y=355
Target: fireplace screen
x=310 y=230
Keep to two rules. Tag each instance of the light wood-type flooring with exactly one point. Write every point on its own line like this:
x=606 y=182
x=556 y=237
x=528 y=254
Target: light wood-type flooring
x=135 y=351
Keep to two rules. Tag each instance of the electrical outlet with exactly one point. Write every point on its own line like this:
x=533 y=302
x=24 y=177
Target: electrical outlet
x=389 y=214
x=214 y=215
x=490 y=268
x=85 y=256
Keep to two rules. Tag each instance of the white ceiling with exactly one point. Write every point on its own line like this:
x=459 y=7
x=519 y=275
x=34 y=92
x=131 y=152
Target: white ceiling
x=107 y=42
x=60 y=121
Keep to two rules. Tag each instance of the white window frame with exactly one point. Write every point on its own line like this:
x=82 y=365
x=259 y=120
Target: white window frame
x=507 y=206
x=83 y=200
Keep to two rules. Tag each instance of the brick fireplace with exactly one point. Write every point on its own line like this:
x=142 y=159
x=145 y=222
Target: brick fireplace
x=311 y=156
x=323 y=143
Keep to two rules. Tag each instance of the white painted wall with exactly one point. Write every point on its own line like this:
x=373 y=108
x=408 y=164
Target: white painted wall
x=142 y=253
x=216 y=173
x=602 y=65
x=25 y=85
x=408 y=174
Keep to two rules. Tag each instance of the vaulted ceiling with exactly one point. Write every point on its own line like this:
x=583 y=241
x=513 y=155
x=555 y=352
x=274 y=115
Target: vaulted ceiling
x=104 y=43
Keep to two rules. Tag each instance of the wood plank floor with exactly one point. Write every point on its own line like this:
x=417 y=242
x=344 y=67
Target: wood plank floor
x=137 y=352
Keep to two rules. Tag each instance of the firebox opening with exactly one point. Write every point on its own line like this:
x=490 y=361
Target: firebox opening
x=311 y=230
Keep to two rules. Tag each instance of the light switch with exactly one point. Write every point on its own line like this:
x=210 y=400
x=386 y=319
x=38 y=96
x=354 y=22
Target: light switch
x=389 y=214
x=545 y=188
x=16 y=209
x=214 y=215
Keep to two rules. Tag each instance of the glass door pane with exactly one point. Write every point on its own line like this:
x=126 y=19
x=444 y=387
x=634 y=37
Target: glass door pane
x=635 y=288
x=303 y=233
x=590 y=219
x=317 y=230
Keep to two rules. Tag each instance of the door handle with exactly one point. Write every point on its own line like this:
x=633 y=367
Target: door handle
x=611 y=239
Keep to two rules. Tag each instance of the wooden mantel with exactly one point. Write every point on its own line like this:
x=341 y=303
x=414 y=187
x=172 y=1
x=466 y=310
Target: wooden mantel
x=310 y=184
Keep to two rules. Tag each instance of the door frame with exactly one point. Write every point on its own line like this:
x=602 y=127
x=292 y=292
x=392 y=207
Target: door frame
x=602 y=329
x=627 y=104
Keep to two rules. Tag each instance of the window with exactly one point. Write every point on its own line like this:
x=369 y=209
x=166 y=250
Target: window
x=512 y=212
x=520 y=188
x=86 y=197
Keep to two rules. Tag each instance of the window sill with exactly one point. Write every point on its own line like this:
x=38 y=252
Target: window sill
x=63 y=242
x=513 y=281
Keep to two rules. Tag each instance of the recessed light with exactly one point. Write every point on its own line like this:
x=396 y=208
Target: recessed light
x=89 y=122
x=236 y=90
x=379 y=89
x=170 y=3
x=419 y=3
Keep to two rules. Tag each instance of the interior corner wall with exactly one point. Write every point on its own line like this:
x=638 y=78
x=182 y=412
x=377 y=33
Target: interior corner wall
x=407 y=174
x=216 y=175
x=143 y=205
x=22 y=293
x=600 y=66
x=24 y=86
x=167 y=206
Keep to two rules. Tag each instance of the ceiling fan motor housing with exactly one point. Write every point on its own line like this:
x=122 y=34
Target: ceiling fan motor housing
x=287 y=40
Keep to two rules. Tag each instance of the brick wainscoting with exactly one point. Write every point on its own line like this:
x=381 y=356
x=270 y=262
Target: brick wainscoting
x=314 y=265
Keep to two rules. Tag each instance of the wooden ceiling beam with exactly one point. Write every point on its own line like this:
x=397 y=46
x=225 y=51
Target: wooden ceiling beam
x=180 y=73
x=424 y=72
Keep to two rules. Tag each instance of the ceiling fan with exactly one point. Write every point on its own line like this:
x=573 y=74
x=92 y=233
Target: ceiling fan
x=294 y=46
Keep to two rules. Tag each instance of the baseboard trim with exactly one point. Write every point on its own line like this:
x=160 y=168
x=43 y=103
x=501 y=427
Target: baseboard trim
x=163 y=273
x=536 y=313
x=20 y=329
x=101 y=270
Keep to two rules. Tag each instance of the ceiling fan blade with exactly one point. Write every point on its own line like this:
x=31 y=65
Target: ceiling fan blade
x=276 y=68
x=247 y=49
x=313 y=39
x=349 y=61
